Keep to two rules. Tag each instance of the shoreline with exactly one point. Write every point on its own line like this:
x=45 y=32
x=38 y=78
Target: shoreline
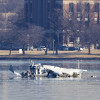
x=43 y=58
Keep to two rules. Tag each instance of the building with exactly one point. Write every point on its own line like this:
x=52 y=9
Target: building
x=87 y=10
x=37 y=12
x=7 y=10
x=88 y=6
x=3 y=15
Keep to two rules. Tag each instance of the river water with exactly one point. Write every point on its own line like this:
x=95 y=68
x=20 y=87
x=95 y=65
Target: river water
x=84 y=88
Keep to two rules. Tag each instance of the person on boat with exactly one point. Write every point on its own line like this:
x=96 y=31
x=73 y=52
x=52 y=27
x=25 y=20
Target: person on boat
x=32 y=70
x=31 y=67
x=23 y=74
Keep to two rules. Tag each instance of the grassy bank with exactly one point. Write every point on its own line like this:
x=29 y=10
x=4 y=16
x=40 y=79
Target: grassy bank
x=95 y=54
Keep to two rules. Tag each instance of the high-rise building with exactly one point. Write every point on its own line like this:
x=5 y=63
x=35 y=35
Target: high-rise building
x=37 y=11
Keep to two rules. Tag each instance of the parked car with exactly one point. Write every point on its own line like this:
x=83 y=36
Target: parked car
x=98 y=47
x=41 y=48
x=72 y=48
x=80 y=48
x=64 y=48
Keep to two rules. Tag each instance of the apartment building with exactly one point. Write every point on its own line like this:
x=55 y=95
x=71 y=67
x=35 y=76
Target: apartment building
x=37 y=11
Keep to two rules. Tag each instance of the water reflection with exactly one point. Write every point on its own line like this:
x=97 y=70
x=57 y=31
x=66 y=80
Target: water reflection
x=23 y=64
x=15 y=88
x=5 y=87
x=47 y=88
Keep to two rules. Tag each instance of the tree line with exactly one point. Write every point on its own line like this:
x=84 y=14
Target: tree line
x=76 y=25
x=21 y=33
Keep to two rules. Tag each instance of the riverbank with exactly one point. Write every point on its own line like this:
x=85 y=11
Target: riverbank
x=40 y=55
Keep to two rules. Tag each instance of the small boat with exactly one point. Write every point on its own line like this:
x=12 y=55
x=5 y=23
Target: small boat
x=38 y=70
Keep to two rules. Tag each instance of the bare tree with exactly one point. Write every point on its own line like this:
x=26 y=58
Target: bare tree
x=11 y=5
x=32 y=35
x=56 y=27
x=96 y=37
x=36 y=34
x=25 y=33
x=3 y=36
x=87 y=38
x=75 y=24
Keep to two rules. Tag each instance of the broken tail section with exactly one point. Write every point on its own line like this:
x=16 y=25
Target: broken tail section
x=16 y=73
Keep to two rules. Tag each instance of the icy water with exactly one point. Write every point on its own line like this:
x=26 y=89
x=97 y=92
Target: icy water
x=84 y=88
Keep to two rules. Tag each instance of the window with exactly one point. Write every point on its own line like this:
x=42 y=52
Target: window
x=95 y=20
x=87 y=21
x=71 y=7
x=58 y=5
x=87 y=7
x=96 y=17
x=78 y=19
x=96 y=7
x=71 y=39
x=78 y=7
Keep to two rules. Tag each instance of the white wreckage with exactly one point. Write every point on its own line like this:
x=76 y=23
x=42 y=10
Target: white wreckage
x=38 y=70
